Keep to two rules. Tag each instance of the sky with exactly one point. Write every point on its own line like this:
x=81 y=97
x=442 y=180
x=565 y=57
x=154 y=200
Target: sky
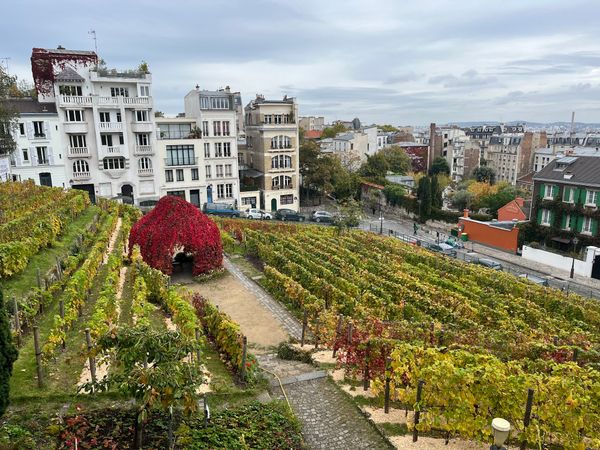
x=402 y=62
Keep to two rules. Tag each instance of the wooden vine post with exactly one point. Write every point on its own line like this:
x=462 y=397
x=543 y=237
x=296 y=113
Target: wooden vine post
x=304 y=325
x=197 y=332
x=17 y=321
x=61 y=309
x=527 y=417
x=388 y=379
x=244 y=350
x=366 y=376
x=91 y=359
x=38 y=356
x=338 y=332
x=418 y=410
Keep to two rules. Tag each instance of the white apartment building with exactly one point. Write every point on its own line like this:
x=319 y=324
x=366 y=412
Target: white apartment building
x=216 y=115
x=39 y=154
x=179 y=149
x=105 y=121
x=272 y=151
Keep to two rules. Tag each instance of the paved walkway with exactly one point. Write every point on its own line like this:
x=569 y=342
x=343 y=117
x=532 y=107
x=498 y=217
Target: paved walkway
x=330 y=420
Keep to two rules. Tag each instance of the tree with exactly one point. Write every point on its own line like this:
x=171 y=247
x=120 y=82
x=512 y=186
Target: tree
x=439 y=165
x=152 y=366
x=394 y=194
x=330 y=132
x=485 y=174
x=436 y=193
x=8 y=115
x=8 y=355
x=375 y=167
x=501 y=197
x=462 y=199
x=397 y=159
x=387 y=128
x=349 y=215
x=346 y=184
x=159 y=114
x=425 y=198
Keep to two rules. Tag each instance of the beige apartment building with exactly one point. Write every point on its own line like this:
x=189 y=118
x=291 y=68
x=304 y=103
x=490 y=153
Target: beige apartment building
x=272 y=151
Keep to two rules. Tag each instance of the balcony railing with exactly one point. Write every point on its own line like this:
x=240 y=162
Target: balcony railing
x=146 y=172
x=75 y=100
x=112 y=149
x=111 y=126
x=143 y=150
x=102 y=100
x=75 y=127
x=136 y=101
x=81 y=176
x=285 y=186
x=187 y=162
x=78 y=152
x=39 y=136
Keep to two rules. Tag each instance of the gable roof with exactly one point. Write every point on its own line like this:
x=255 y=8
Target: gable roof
x=29 y=105
x=583 y=170
x=69 y=75
x=312 y=134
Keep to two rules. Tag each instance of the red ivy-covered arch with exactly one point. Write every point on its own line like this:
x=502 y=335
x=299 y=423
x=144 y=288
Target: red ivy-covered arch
x=176 y=225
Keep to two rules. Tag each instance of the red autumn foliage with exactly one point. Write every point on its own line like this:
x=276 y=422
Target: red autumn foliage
x=174 y=224
x=45 y=62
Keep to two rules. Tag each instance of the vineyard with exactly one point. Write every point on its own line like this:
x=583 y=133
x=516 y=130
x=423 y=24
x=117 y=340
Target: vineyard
x=476 y=340
x=88 y=315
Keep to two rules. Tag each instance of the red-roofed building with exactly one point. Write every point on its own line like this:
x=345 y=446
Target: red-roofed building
x=513 y=210
x=313 y=134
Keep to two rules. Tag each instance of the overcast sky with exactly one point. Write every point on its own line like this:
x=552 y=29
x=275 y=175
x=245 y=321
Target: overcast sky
x=388 y=61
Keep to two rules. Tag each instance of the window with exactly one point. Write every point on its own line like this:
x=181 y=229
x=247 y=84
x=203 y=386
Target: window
x=268 y=118
x=568 y=222
x=226 y=131
x=286 y=199
x=119 y=92
x=143 y=139
x=141 y=115
x=208 y=174
x=180 y=155
x=219 y=170
x=74 y=115
x=205 y=128
x=218 y=150
x=568 y=195
x=228 y=190
x=22 y=129
x=179 y=173
x=587 y=225
x=206 y=150
x=113 y=163
x=42 y=156
x=249 y=201
x=204 y=103
x=219 y=103
x=174 y=130
x=216 y=128
x=25 y=155
x=228 y=170
x=104 y=117
x=77 y=140
x=195 y=197
x=546 y=217
x=106 y=139
x=591 y=198
x=69 y=90
x=281 y=182
x=169 y=176
x=38 y=129
x=121 y=139
x=177 y=194
x=119 y=116
x=281 y=162
x=144 y=91
x=227 y=149
x=144 y=163
x=281 y=142
x=195 y=174
x=548 y=188
x=220 y=191
x=81 y=166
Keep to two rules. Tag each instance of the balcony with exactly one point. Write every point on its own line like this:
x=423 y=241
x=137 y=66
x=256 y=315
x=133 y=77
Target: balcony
x=81 y=176
x=76 y=127
x=146 y=172
x=281 y=188
x=108 y=101
x=110 y=126
x=127 y=102
x=67 y=101
x=137 y=101
x=78 y=152
x=142 y=127
x=141 y=150
x=112 y=150
x=40 y=137
x=189 y=162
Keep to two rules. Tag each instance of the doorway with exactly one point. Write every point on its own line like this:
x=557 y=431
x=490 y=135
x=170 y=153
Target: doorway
x=127 y=193
x=273 y=204
x=45 y=179
x=89 y=188
x=596 y=268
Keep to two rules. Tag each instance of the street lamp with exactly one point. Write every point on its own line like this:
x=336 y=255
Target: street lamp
x=575 y=242
x=501 y=429
x=380 y=217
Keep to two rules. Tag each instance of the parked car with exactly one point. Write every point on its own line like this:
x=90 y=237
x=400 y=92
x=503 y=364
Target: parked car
x=490 y=263
x=255 y=213
x=322 y=216
x=535 y=279
x=440 y=248
x=221 y=209
x=289 y=214
x=454 y=242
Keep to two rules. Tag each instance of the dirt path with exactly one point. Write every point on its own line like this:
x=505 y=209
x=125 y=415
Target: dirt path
x=256 y=321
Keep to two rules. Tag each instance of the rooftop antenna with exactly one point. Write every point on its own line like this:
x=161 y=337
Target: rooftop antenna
x=93 y=34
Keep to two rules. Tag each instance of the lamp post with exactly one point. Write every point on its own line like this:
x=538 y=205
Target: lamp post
x=380 y=216
x=575 y=242
x=501 y=428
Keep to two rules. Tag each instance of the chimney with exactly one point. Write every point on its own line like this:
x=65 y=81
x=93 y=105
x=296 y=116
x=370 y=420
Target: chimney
x=466 y=213
x=197 y=87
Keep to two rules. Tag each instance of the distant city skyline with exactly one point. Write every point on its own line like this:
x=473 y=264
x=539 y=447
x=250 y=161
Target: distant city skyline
x=383 y=61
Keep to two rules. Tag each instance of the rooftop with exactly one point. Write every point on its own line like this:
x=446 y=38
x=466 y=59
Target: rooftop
x=578 y=170
x=29 y=106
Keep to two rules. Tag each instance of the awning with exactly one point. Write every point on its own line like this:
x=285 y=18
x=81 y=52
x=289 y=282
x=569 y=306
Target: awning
x=561 y=240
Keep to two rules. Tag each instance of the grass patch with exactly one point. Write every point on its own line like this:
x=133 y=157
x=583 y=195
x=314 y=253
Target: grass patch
x=246 y=267
x=393 y=429
x=126 y=318
x=45 y=259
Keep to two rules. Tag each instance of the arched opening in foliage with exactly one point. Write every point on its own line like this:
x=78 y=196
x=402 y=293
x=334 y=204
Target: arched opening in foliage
x=175 y=227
